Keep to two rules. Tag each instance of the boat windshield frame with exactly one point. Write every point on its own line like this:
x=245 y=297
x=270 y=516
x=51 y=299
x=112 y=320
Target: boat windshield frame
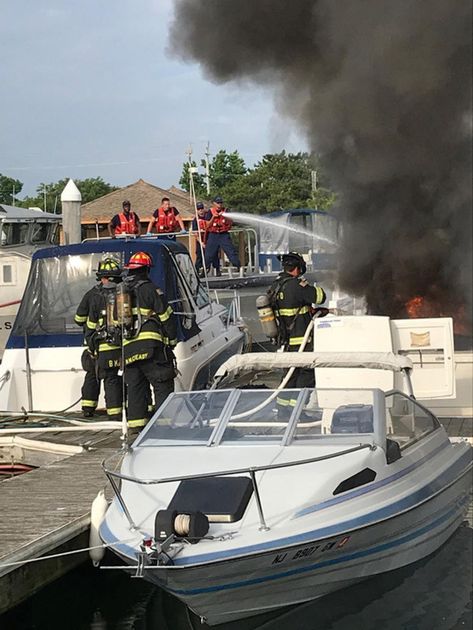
x=222 y=425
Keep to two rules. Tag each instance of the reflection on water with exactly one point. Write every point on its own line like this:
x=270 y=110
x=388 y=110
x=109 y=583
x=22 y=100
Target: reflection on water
x=434 y=594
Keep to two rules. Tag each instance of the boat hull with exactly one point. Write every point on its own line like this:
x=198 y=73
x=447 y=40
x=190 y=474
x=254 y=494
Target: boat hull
x=231 y=589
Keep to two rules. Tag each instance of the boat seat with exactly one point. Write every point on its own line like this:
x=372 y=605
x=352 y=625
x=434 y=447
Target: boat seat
x=352 y=419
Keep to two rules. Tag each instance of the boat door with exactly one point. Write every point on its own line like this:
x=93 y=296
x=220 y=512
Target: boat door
x=428 y=342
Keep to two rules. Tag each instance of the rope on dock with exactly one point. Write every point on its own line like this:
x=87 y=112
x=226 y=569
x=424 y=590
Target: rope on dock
x=65 y=553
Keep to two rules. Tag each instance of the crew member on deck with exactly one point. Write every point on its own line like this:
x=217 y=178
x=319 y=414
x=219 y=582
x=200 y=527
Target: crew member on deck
x=294 y=301
x=149 y=357
x=126 y=222
x=218 y=237
x=166 y=219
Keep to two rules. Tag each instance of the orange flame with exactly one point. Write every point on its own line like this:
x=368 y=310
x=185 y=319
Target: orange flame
x=419 y=306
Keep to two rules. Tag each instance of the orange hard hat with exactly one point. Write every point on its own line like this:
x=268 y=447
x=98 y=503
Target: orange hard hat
x=139 y=259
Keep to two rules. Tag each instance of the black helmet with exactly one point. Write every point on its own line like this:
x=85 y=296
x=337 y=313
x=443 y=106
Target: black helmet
x=108 y=268
x=293 y=259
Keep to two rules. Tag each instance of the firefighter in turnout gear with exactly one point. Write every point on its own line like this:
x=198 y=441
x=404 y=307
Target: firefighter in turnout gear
x=293 y=300
x=148 y=354
x=91 y=314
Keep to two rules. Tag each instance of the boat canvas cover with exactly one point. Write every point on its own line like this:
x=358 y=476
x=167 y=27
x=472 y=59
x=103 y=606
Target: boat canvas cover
x=284 y=360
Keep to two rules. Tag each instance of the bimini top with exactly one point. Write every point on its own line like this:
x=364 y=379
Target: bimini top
x=284 y=360
x=60 y=276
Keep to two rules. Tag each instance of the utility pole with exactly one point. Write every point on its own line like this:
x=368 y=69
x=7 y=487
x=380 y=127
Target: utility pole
x=207 y=168
x=13 y=195
x=44 y=197
x=313 y=179
x=189 y=167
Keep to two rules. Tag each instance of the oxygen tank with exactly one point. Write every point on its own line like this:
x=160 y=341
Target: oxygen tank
x=97 y=513
x=266 y=316
x=124 y=307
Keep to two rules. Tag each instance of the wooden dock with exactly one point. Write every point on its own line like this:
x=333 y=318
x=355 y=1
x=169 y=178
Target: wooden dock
x=47 y=510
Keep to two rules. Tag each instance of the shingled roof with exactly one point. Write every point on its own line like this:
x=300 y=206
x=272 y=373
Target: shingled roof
x=144 y=198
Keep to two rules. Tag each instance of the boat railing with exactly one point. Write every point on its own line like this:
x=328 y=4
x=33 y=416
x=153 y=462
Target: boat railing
x=115 y=477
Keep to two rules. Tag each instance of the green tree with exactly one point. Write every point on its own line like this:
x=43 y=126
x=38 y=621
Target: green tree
x=278 y=181
x=90 y=188
x=9 y=187
x=225 y=168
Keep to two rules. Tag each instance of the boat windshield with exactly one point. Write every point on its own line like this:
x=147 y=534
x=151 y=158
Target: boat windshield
x=262 y=416
x=54 y=291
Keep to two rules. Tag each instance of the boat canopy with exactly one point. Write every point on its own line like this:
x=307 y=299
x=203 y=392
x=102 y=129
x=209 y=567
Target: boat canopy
x=284 y=360
x=309 y=230
x=60 y=276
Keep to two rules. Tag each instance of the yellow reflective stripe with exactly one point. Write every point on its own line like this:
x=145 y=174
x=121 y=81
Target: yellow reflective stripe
x=163 y=317
x=105 y=347
x=295 y=341
x=114 y=411
x=289 y=312
x=144 y=336
x=142 y=311
x=319 y=295
x=140 y=422
x=91 y=324
x=89 y=403
x=80 y=319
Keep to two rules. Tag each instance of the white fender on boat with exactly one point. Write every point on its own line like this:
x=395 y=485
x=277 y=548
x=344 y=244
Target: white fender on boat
x=97 y=513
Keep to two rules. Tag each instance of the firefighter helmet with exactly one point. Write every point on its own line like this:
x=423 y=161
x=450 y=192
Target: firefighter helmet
x=108 y=268
x=139 y=260
x=293 y=259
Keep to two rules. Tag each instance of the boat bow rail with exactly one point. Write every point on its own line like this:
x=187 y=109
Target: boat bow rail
x=113 y=476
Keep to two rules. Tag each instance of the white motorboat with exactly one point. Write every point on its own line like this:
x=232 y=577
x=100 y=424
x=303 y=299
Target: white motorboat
x=22 y=231
x=236 y=510
x=41 y=368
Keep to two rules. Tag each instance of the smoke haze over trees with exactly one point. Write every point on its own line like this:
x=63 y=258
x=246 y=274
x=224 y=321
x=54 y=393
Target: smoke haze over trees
x=382 y=89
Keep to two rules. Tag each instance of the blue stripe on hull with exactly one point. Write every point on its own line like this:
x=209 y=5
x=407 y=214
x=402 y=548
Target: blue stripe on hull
x=333 y=561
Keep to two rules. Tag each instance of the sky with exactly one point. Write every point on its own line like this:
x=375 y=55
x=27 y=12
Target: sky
x=90 y=89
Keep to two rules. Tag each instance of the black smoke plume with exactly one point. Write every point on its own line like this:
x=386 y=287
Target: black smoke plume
x=382 y=88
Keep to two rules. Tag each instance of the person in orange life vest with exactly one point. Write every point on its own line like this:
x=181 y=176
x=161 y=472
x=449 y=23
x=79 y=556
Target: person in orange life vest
x=199 y=227
x=126 y=222
x=166 y=219
x=218 y=237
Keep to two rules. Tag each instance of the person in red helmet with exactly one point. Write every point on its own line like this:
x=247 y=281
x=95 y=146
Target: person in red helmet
x=148 y=352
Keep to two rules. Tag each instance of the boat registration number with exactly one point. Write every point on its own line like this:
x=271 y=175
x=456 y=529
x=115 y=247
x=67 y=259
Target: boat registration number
x=305 y=552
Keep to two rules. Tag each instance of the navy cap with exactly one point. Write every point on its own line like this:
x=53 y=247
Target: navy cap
x=218 y=200
x=200 y=206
